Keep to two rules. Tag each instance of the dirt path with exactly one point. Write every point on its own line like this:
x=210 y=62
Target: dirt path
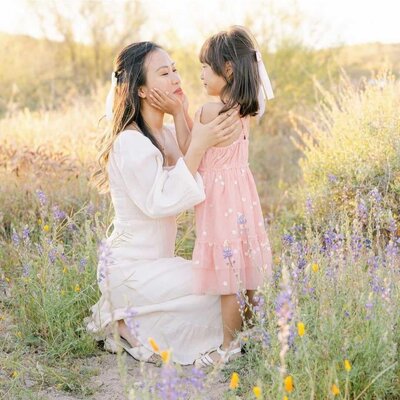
x=107 y=384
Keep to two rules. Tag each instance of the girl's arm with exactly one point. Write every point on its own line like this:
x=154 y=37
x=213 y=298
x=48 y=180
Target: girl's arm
x=171 y=104
x=183 y=130
x=189 y=120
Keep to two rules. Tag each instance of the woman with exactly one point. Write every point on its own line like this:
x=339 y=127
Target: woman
x=143 y=285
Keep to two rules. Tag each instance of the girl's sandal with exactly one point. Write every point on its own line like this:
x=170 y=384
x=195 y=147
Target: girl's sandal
x=139 y=353
x=225 y=356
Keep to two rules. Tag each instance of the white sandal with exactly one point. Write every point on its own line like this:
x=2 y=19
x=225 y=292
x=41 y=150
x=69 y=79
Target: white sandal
x=139 y=353
x=205 y=360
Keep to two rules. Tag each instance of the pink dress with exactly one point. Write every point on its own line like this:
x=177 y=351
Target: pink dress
x=232 y=250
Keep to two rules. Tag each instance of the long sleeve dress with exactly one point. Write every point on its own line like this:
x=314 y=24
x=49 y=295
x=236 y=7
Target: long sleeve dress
x=140 y=279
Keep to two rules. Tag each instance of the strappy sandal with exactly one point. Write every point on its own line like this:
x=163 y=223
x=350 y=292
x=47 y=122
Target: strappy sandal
x=139 y=353
x=225 y=356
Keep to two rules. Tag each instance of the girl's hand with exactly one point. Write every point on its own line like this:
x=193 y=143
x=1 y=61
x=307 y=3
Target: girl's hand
x=223 y=127
x=166 y=102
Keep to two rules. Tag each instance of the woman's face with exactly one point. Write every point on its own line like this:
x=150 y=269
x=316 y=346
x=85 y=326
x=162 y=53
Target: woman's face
x=161 y=73
x=211 y=81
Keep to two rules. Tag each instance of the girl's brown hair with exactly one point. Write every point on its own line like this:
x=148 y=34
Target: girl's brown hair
x=236 y=47
x=130 y=72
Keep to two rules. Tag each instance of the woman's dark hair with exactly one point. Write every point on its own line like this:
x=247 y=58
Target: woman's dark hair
x=130 y=72
x=237 y=48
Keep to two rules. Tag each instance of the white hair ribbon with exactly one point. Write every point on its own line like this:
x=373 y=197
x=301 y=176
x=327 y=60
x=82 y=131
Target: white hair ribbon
x=265 y=91
x=110 y=98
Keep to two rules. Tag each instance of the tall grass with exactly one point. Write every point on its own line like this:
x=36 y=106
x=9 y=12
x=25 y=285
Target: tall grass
x=326 y=325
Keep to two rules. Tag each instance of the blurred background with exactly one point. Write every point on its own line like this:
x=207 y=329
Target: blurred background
x=57 y=55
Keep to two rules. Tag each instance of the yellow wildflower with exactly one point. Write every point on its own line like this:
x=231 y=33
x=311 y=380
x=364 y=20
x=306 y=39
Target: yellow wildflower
x=77 y=288
x=315 y=267
x=285 y=398
x=347 y=365
x=335 y=390
x=165 y=355
x=2 y=318
x=65 y=270
x=19 y=334
x=14 y=374
x=46 y=228
x=288 y=382
x=154 y=345
x=7 y=279
x=39 y=221
x=300 y=329
x=234 y=381
x=257 y=392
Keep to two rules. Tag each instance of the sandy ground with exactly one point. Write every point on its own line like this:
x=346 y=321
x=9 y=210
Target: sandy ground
x=107 y=385
x=103 y=369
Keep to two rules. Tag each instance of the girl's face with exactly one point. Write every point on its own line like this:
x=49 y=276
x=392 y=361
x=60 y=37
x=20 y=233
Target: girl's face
x=162 y=74
x=211 y=81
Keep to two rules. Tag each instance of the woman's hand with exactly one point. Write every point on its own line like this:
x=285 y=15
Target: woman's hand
x=166 y=102
x=220 y=129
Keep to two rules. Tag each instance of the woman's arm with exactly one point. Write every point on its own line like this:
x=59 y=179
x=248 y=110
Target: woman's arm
x=221 y=128
x=156 y=191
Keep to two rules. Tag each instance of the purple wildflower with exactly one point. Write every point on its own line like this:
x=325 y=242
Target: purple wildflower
x=132 y=325
x=266 y=339
x=39 y=248
x=391 y=249
x=196 y=379
x=90 y=209
x=241 y=301
x=375 y=194
x=288 y=239
x=332 y=178
x=72 y=227
x=58 y=214
x=42 y=197
x=25 y=233
x=241 y=219
x=104 y=253
x=392 y=226
x=168 y=387
x=309 y=205
x=52 y=255
x=82 y=264
x=227 y=252
x=283 y=304
x=362 y=210
x=26 y=268
x=15 y=238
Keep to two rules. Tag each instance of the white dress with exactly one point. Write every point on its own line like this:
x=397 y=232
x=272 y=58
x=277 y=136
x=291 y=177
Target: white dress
x=142 y=275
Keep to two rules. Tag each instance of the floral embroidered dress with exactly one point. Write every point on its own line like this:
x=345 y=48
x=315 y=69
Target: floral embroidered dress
x=232 y=250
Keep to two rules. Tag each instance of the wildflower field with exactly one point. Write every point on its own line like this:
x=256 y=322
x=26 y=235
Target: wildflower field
x=325 y=327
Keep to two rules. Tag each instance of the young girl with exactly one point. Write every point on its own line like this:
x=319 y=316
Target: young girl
x=232 y=253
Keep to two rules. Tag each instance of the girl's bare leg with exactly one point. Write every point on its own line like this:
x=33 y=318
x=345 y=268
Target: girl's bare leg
x=231 y=319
